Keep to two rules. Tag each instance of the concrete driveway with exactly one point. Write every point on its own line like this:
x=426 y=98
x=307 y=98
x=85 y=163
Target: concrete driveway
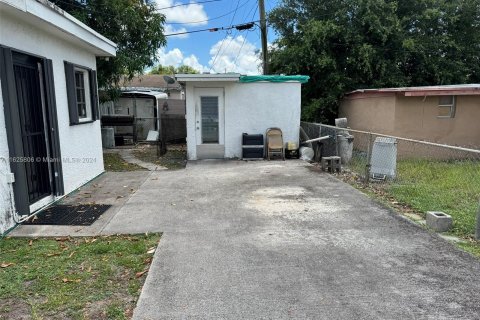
x=277 y=240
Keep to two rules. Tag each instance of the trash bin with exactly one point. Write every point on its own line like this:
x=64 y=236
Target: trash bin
x=108 y=140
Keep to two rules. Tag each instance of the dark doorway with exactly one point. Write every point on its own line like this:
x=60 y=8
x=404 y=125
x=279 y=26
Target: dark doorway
x=32 y=109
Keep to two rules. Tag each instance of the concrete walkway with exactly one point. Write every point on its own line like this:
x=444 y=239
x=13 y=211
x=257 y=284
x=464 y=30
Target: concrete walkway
x=276 y=240
x=112 y=188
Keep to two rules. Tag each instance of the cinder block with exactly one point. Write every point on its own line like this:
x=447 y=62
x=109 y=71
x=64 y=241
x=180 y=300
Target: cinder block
x=332 y=164
x=439 y=221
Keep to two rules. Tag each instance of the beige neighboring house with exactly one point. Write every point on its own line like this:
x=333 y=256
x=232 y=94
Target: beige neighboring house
x=441 y=114
x=156 y=82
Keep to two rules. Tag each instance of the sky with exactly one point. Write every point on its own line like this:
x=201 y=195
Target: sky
x=215 y=52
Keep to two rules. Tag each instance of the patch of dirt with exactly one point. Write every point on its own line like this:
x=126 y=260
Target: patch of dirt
x=14 y=309
x=375 y=189
x=97 y=309
x=175 y=158
x=114 y=162
x=378 y=190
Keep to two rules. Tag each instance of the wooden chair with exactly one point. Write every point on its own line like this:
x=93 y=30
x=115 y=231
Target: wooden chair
x=275 y=145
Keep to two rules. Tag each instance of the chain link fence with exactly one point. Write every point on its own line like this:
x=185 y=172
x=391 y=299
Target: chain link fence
x=414 y=175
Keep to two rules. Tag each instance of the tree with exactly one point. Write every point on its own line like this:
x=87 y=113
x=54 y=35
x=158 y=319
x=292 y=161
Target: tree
x=163 y=70
x=352 y=44
x=134 y=25
x=186 y=70
x=441 y=41
x=172 y=70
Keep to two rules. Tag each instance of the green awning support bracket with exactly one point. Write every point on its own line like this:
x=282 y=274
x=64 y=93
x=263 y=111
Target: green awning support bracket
x=274 y=78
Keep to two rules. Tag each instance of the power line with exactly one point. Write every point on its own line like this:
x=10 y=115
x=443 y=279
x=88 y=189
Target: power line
x=246 y=35
x=250 y=11
x=241 y=47
x=223 y=15
x=241 y=26
x=226 y=35
x=187 y=4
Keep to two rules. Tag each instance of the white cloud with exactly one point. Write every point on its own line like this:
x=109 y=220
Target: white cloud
x=169 y=29
x=183 y=14
x=176 y=58
x=236 y=55
x=193 y=62
x=171 y=58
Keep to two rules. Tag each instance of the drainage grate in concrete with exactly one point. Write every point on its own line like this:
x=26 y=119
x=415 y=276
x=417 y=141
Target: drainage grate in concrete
x=69 y=215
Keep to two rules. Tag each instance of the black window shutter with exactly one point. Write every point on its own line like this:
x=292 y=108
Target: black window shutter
x=71 y=93
x=94 y=94
x=53 y=129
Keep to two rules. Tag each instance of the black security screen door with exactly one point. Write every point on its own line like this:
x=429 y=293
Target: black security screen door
x=31 y=107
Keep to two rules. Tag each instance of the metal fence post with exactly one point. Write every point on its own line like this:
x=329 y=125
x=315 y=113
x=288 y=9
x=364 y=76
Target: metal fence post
x=367 y=166
x=317 y=149
x=336 y=143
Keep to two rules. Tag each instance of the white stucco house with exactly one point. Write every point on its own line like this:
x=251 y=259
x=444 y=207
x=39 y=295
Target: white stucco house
x=50 y=141
x=221 y=107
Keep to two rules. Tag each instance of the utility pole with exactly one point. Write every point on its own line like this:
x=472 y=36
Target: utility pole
x=263 y=28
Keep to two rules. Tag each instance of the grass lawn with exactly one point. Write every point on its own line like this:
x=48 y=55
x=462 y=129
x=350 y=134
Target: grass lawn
x=422 y=185
x=113 y=162
x=73 y=278
x=175 y=158
x=452 y=187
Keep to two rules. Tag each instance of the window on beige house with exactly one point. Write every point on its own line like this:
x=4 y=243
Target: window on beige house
x=446 y=106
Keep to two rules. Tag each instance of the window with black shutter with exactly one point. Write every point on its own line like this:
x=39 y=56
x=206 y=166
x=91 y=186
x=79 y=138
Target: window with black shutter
x=82 y=93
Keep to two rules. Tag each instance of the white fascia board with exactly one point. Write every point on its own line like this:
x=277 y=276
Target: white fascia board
x=19 y=4
x=228 y=77
x=61 y=20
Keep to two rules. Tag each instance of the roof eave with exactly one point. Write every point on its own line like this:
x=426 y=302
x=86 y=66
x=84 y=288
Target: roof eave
x=459 y=92
x=64 y=22
x=233 y=77
x=473 y=91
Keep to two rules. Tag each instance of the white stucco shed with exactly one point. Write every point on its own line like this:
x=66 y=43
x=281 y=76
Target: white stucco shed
x=233 y=106
x=50 y=141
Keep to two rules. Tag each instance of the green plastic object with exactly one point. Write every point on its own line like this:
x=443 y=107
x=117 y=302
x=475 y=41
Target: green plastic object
x=249 y=79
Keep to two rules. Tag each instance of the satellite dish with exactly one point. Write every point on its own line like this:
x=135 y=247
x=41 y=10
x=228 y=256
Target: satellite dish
x=169 y=80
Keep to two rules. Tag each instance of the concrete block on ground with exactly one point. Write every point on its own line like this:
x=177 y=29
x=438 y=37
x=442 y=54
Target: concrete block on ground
x=332 y=164
x=439 y=221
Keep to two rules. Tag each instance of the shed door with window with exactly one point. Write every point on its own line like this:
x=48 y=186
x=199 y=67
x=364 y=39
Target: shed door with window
x=209 y=123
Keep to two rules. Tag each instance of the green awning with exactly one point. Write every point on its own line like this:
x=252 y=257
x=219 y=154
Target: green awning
x=274 y=78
